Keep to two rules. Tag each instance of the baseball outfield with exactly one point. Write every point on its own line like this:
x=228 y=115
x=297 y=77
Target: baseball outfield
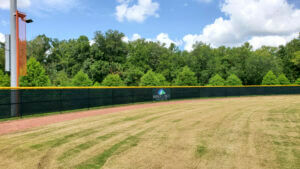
x=246 y=132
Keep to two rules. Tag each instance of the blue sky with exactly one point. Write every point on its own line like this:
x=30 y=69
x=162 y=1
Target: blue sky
x=184 y=22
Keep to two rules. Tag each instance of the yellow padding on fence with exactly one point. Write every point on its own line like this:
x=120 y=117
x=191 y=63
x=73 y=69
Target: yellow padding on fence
x=136 y=87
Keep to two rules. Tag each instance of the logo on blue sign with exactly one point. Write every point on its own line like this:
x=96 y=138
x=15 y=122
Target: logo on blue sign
x=161 y=92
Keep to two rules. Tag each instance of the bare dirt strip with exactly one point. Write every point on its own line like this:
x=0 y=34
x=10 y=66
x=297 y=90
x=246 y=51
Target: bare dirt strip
x=23 y=124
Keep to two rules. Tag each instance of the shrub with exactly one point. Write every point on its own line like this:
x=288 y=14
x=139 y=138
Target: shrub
x=283 y=80
x=217 y=80
x=81 y=79
x=36 y=75
x=152 y=79
x=97 y=84
x=113 y=80
x=4 y=79
x=233 y=80
x=298 y=81
x=186 y=78
x=62 y=79
x=133 y=76
x=270 y=79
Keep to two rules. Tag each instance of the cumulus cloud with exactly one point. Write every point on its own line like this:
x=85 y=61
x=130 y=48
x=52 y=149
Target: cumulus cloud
x=257 y=21
x=136 y=12
x=42 y=5
x=133 y=38
x=258 y=41
x=163 y=38
x=2 y=38
x=5 y=4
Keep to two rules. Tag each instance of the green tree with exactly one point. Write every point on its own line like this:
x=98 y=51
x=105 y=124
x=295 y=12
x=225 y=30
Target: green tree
x=217 y=80
x=201 y=61
x=38 y=48
x=133 y=76
x=283 y=80
x=4 y=79
x=2 y=56
x=82 y=79
x=62 y=79
x=98 y=70
x=113 y=80
x=296 y=60
x=259 y=63
x=186 y=78
x=270 y=79
x=97 y=84
x=152 y=79
x=161 y=80
x=289 y=56
x=36 y=75
x=297 y=81
x=233 y=80
x=111 y=46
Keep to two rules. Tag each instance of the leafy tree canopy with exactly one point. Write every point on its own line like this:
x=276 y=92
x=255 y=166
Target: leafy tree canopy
x=270 y=79
x=4 y=79
x=186 y=78
x=298 y=81
x=152 y=79
x=81 y=79
x=36 y=75
x=217 y=80
x=133 y=76
x=108 y=53
x=62 y=79
x=283 y=80
x=2 y=56
x=233 y=80
x=113 y=80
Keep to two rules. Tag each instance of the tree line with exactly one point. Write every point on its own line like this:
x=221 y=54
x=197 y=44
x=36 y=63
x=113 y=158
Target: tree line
x=110 y=61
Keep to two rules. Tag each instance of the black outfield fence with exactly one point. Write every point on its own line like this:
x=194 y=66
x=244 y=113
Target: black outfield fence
x=30 y=101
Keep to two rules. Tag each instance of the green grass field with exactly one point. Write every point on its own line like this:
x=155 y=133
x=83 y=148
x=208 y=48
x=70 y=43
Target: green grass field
x=241 y=133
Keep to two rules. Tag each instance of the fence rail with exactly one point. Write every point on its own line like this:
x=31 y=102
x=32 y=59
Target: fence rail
x=29 y=101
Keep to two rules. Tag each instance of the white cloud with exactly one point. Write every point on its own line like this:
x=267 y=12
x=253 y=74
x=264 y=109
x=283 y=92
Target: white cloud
x=133 y=38
x=258 y=41
x=2 y=38
x=40 y=6
x=255 y=20
x=92 y=42
x=5 y=4
x=164 y=39
x=137 y=12
x=136 y=37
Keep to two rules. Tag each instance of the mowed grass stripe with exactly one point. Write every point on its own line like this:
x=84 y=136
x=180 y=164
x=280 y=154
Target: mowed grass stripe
x=99 y=160
x=86 y=145
x=65 y=139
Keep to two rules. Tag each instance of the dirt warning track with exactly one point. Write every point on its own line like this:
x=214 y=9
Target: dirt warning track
x=23 y=124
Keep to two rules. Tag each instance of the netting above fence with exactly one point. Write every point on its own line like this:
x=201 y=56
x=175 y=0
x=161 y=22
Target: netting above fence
x=45 y=100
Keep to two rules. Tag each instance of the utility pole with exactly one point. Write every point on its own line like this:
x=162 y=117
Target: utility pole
x=13 y=44
x=14 y=97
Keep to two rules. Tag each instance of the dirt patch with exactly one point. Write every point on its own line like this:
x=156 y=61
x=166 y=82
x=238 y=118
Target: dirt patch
x=23 y=124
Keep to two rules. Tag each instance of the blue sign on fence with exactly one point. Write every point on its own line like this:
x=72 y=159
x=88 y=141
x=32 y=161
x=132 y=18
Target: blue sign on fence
x=161 y=94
